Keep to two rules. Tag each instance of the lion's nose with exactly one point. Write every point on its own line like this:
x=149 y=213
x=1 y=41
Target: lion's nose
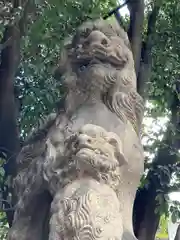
x=84 y=139
x=98 y=38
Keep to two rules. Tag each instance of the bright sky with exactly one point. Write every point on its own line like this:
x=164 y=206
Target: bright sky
x=151 y=125
x=123 y=10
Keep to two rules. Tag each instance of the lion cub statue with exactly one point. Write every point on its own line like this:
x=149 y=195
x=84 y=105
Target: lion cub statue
x=82 y=166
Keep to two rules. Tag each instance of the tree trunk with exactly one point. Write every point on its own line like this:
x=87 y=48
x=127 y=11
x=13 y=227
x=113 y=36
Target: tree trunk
x=177 y=237
x=9 y=132
x=146 y=219
x=9 y=140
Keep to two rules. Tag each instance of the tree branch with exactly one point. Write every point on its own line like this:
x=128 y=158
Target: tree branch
x=146 y=56
x=10 y=58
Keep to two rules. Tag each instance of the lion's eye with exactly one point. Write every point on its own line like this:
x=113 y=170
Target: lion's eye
x=82 y=68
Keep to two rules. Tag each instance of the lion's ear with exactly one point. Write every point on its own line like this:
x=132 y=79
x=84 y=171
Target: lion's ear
x=62 y=64
x=61 y=67
x=56 y=73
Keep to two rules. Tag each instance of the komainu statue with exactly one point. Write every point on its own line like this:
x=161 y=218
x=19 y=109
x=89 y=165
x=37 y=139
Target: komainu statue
x=79 y=171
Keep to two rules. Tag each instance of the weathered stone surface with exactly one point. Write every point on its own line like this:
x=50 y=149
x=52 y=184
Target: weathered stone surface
x=79 y=172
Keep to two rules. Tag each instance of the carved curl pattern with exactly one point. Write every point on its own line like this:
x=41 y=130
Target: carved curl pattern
x=78 y=211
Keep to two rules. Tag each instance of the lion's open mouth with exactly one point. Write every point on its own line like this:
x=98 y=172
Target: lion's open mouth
x=85 y=147
x=83 y=62
x=99 y=55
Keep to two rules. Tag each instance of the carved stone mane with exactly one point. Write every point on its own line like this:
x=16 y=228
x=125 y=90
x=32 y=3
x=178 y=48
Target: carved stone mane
x=82 y=167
